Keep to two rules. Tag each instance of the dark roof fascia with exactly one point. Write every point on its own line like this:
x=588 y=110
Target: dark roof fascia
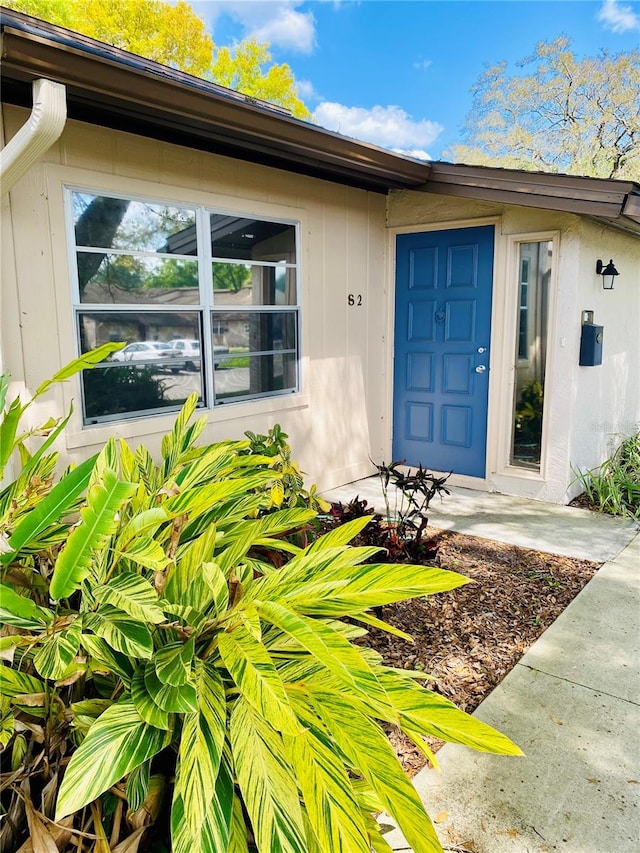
x=113 y=88
x=612 y=202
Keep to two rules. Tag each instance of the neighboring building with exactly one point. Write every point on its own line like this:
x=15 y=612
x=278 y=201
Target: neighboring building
x=375 y=306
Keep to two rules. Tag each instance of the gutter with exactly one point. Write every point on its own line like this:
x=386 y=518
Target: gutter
x=112 y=88
x=37 y=135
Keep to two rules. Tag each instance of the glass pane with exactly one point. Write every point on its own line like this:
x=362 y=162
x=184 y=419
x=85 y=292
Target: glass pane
x=247 y=284
x=531 y=353
x=115 y=223
x=252 y=239
x=130 y=279
x=254 y=331
x=243 y=376
x=158 y=368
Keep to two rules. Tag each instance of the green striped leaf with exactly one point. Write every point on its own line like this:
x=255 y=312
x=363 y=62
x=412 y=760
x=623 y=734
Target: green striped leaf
x=203 y=735
x=176 y=700
x=102 y=658
x=252 y=669
x=99 y=521
x=8 y=432
x=56 y=652
x=185 y=583
x=329 y=798
x=145 y=552
x=22 y=612
x=340 y=535
x=366 y=747
x=144 y=704
x=50 y=509
x=56 y=427
x=146 y=522
x=218 y=586
x=269 y=525
x=134 y=595
x=197 y=501
x=213 y=834
x=7 y=723
x=173 y=662
x=214 y=462
x=118 y=742
x=369 y=585
x=91 y=707
x=330 y=648
x=13 y=682
x=378 y=843
x=85 y=362
x=266 y=781
x=182 y=436
x=138 y=785
x=310 y=569
x=432 y=714
x=120 y=631
x=238 y=836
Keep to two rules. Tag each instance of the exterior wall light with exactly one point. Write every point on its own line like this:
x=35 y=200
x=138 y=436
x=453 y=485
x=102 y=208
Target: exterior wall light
x=608 y=274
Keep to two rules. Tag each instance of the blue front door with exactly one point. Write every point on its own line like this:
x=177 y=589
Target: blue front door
x=444 y=281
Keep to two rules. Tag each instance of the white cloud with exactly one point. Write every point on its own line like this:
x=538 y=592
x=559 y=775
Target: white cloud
x=306 y=90
x=618 y=18
x=423 y=64
x=289 y=29
x=390 y=127
x=276 y=21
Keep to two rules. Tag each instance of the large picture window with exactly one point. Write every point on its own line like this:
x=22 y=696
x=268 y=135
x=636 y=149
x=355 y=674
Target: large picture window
x=204 y=300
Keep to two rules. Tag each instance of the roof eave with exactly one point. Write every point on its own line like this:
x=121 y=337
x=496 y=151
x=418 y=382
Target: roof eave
x=153 y=101
x=613 y=202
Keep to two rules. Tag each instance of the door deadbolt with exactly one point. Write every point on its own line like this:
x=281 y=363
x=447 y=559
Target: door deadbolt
x=481 y=368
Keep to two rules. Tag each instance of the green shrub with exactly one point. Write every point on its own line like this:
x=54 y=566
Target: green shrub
x=152 y=649
x=614 y=486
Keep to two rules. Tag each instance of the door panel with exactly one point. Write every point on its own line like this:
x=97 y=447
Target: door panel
x=444 y=282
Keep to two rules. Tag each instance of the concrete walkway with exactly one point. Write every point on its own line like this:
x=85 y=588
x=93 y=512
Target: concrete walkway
x=572 y=703
x=546 y=527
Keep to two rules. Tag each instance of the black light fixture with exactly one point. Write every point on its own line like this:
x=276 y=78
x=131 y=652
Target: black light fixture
x=608 y=273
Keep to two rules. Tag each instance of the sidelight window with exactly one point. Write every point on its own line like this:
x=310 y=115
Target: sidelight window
x=534 y=264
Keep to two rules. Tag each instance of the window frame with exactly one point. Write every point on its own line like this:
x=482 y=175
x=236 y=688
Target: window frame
x=205 y=308
x=510 y=283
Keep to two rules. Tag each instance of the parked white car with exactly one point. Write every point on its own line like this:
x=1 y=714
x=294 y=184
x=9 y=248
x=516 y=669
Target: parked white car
x=187 y=350
x=144 y=351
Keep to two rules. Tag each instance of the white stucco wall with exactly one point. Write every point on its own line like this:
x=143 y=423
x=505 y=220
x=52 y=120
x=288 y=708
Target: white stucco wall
x=606 y=399
x=343 y=415
x=334 y=424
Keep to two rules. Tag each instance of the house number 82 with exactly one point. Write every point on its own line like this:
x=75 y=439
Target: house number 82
x=354 y=299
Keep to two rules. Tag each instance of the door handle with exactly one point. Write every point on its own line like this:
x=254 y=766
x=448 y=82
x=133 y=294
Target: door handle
x=481 y=368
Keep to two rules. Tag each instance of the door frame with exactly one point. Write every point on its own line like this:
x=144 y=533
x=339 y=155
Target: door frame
x=496 y=349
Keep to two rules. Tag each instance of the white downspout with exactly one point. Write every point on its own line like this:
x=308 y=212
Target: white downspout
x=37 y=135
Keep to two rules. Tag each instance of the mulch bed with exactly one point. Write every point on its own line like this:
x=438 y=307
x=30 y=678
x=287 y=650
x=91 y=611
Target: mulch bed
x=470 y=638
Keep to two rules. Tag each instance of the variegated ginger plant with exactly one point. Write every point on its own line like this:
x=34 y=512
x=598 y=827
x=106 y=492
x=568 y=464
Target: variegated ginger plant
x=161 y=634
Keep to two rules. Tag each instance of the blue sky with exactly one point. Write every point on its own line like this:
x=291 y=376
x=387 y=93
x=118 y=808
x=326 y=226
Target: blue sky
x=398 y=73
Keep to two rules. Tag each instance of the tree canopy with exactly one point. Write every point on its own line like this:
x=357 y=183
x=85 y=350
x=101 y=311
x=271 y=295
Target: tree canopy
x=174 y=35
x=569 y=115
